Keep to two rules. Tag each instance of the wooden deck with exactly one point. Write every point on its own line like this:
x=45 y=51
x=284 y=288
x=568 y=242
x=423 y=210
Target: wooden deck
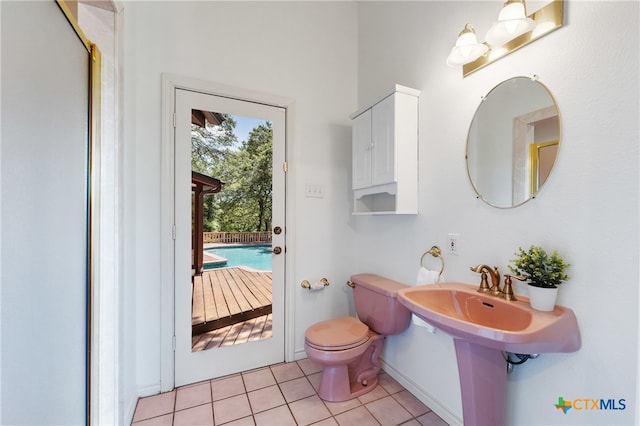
x=228 y=296
x=242 y=332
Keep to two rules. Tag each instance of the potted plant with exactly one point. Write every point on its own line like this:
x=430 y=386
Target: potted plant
x=543 y=272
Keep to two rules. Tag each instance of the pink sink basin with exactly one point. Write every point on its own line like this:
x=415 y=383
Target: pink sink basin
x=462 y=312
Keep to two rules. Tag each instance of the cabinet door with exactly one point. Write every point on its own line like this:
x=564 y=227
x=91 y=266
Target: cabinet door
x=383 y=152
x=361 y=150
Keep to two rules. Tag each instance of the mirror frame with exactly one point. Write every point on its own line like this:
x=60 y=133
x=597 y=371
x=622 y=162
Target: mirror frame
x=532 y=149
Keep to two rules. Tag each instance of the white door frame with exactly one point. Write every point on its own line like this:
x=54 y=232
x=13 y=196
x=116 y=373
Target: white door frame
x=171 y=82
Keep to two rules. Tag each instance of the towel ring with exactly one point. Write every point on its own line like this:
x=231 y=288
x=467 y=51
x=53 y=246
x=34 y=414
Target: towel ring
x=435 y=252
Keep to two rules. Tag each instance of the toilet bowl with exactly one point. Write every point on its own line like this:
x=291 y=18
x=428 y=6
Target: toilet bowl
x=349 y=348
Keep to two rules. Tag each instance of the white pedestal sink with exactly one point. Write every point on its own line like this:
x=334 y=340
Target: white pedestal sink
x=483 y=327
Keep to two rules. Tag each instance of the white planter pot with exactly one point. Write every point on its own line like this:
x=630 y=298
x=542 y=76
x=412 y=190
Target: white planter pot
x=542 y=299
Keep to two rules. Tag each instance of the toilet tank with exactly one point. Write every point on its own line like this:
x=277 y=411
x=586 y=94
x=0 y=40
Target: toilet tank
x=377 y=305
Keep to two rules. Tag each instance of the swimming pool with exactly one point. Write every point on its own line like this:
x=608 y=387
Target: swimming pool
x=254 y=256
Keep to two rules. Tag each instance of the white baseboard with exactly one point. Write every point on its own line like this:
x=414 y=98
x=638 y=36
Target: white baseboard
x=148 y=390
x=299 y=354
x=144 y=391
x=429 y=400
x=130 y=410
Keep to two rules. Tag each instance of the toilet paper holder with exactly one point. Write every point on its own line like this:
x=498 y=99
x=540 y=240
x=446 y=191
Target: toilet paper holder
x=307 y=284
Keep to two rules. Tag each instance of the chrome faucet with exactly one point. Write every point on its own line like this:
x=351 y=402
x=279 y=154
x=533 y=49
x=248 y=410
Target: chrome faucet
x=495 y=279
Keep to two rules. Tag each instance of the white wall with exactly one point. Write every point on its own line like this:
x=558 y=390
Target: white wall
x=285 y=49
x=308 y=52
x=588 y=209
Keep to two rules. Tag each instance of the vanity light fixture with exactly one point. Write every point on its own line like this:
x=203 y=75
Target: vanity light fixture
x=512 y=23
x=467 y=48
x=513 y=30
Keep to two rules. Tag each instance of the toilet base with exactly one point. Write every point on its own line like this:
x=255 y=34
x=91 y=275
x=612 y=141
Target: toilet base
x=343 y=382
x=335 y=385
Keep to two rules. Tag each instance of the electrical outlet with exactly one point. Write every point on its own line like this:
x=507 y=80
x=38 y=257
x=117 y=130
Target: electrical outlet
x=453 y=242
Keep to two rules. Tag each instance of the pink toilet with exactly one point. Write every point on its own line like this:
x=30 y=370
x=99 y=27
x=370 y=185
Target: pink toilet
x=348 y=348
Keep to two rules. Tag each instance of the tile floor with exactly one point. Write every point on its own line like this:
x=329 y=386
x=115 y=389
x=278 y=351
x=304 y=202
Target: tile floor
x=281 y=395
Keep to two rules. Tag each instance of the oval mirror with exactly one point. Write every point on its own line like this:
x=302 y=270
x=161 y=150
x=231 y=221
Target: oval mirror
x=513 y=142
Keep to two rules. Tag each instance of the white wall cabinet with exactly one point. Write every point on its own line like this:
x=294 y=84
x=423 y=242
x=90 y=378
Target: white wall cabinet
x=385 y=155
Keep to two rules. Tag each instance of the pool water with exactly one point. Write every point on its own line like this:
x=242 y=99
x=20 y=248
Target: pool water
x=254 y=256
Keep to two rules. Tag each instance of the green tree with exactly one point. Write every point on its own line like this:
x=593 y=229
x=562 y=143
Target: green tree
x=211 y=144
x=246 y=198
x=258 y=173
x=244 y=204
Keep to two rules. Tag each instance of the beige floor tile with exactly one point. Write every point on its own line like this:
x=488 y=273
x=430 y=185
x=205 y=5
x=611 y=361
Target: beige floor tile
x=193 y=395
x=411 y=403
x=388 y=411
x=308 y=366
x=377 y=393
x=314 y=379
x=282 y=395
x=389 y=383
x=412 y=422
x=309 y=410
x=431 y=419
x=341 y=407
x=280 y=416
x=265 y=399
x=229 y=409
x=296 y=389
x=329 y=422
x=154 y=406
x=257 y=379
x=166 y=420
x=288 y=371
x=248 y=421
x=226 y=387
x=201 y=416
x=356 y=417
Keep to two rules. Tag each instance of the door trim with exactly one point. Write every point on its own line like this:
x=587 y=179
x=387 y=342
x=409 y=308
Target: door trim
x=170 y=82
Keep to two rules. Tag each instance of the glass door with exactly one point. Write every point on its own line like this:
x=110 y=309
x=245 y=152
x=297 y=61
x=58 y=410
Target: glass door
x=229 y=244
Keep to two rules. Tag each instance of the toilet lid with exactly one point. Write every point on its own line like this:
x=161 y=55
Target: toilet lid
x=337 y=333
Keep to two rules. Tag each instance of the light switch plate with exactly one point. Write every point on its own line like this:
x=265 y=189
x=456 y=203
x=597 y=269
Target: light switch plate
x=314 y=190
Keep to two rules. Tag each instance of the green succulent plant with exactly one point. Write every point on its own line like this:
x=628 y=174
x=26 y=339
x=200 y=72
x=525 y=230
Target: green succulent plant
x=539 y=268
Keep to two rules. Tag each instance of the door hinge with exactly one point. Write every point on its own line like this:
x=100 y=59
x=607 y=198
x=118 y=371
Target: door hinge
x=174 y=120
x=173 y=231
x=285 y=167
x=173 y=343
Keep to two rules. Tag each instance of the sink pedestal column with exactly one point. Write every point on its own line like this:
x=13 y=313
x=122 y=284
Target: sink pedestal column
x=483 y=382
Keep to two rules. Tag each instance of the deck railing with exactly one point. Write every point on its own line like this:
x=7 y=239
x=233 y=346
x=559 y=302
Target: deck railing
x=237 y=237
